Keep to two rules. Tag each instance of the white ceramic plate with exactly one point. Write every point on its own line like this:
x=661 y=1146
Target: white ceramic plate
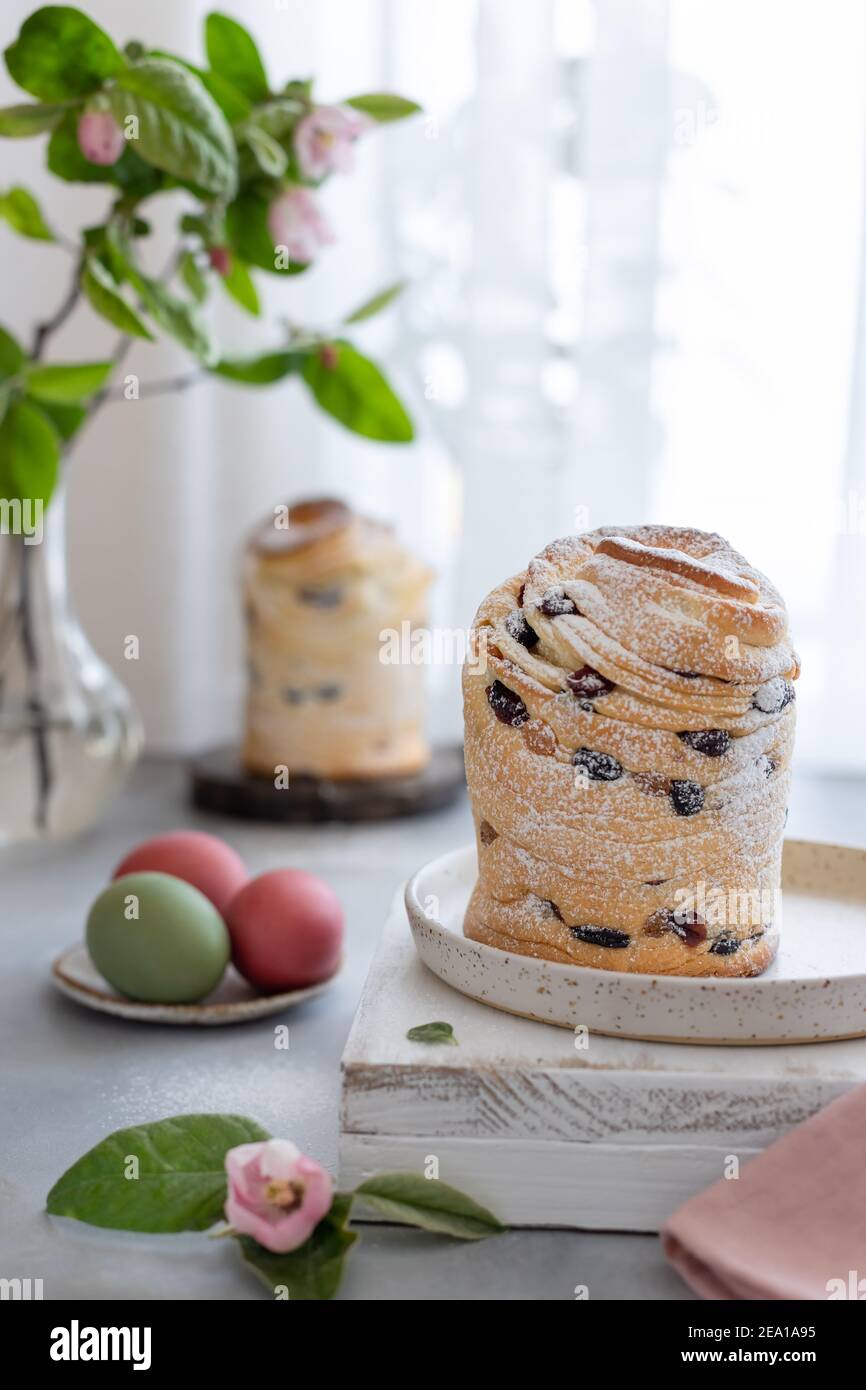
x=234 y=1001
x=814 y=990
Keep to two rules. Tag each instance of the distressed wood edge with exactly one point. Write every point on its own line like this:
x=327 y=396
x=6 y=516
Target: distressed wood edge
x=395 y=1099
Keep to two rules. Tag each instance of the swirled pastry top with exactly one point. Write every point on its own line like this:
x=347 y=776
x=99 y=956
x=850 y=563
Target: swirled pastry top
x=305 y=549
x=321 y=537
x=682 y=630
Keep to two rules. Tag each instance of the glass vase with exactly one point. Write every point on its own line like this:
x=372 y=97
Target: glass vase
x=69 y=732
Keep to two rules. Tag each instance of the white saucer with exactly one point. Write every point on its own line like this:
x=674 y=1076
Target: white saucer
x=814 y=990
x=234 y=1001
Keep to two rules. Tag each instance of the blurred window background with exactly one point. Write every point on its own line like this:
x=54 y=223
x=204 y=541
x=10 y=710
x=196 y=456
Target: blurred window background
x=634 y=231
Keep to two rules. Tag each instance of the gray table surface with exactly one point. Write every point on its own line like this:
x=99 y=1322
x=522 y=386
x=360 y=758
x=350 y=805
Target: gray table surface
x=70 y=1076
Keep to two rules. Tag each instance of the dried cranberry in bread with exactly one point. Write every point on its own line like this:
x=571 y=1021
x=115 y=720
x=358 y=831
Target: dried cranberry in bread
x=630 y=817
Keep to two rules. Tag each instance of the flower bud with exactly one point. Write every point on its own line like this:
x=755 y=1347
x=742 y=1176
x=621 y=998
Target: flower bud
x=100 y=138
x=220 y=259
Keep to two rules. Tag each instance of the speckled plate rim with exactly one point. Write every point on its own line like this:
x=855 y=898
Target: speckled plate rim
x=763 y=1010
x=66 y=975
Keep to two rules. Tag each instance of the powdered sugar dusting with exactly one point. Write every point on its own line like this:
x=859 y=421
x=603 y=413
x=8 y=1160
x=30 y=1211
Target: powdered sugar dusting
x=678 y=651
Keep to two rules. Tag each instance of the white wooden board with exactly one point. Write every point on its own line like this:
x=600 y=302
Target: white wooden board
x=613 y=1136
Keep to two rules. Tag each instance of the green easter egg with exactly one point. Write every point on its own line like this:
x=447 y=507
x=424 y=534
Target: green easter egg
x=157 y=939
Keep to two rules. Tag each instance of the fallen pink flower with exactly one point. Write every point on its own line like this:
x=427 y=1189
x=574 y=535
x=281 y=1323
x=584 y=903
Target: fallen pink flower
x=276 y=1194
x=324 y=140
x=100 y=138
x=296 y=223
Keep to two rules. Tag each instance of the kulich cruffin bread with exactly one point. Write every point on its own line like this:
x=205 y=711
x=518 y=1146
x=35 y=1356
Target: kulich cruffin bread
x=321 y=585
x=628 y=747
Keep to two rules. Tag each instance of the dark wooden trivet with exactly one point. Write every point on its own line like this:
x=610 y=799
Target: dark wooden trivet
x=220 y=783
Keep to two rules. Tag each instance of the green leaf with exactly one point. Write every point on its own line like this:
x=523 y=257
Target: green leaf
x=11 y=355
x=280 y=116
x=432 y=1033
x=29 y=453
x=136 y=179
x=239 y=284
x=300 y=89
x=104 y=296
x=67 y=419
x=260 y=371
x=232 y=53
x=312 y=1272
x=178 y=318
x=270 y=157
x=21 y=210
x=94 y=238
x=179 y=127
x=208 y=225
x=174 y=315
x=247 y=230
x=375 y=305
x=192 y=222
x=193 y=277
x=61 y=53
x=230 y=101
x=354 y=391
x=384 y=107
x=66 y=385
x=428 y=1203
x=17 y=122
x=180 y=1183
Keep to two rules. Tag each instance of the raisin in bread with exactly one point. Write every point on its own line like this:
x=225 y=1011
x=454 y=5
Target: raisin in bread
x=628 y=747
x=321 y=586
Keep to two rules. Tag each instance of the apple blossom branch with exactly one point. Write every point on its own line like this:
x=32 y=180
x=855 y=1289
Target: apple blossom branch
x=46 y=330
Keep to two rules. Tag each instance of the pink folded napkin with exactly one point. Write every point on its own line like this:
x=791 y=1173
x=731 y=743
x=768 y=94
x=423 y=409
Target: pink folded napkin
x=792 y=1225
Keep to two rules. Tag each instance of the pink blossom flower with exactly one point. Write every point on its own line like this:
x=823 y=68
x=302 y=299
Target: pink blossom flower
x=100 y=138
x=324 y=140
x=276 y=1194
x=296 y=222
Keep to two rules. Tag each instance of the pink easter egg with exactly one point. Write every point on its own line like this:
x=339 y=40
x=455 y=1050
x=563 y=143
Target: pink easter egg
x=207 y=863
x=286 y=928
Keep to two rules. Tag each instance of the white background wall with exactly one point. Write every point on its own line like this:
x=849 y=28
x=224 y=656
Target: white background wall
x=615 y=323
